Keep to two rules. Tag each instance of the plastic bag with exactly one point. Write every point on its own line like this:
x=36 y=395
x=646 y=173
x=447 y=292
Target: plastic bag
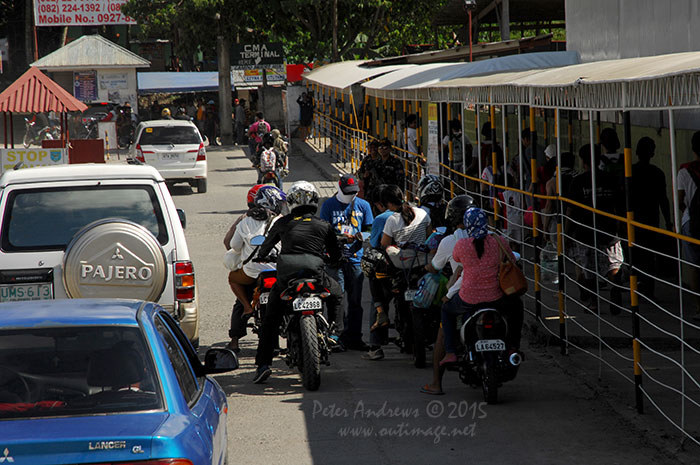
x=428 y=287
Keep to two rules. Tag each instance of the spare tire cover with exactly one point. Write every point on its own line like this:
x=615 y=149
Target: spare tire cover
x=114 y=258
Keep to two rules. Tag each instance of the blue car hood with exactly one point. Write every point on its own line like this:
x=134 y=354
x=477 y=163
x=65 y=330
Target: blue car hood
x=89 y=439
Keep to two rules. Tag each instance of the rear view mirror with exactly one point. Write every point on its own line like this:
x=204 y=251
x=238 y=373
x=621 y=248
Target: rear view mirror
x=183 y=217
x=257 y=241
x=365 y=236
x=220 y=360
x=517 y=256
x=441 y=230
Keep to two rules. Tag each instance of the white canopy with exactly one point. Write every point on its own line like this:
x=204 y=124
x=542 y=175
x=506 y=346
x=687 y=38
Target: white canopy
x=414 y=83
x=342 y=75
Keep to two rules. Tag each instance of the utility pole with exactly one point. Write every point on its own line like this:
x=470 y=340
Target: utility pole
x=224 y=59
x=335 y=30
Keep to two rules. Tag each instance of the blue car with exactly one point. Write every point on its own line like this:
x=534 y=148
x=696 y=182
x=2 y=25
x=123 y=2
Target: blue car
x=106 y=381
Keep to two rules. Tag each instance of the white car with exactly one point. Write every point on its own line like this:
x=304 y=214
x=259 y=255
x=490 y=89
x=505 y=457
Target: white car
x=95 y=231
x=175 y=148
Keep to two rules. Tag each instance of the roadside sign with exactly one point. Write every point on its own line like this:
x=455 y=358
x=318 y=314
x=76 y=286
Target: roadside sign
x=80 y=13
x=85 y=85
x=32 y=157
x=256 y=56
x=433 y=148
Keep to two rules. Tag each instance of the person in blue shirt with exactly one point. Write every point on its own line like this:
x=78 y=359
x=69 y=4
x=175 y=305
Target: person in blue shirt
x=349 y=215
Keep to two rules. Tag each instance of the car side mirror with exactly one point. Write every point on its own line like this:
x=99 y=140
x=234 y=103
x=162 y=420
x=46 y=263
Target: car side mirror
x=183 y=217
x=220 y=360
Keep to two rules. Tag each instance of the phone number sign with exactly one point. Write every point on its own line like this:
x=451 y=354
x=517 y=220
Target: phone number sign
x=80 y=13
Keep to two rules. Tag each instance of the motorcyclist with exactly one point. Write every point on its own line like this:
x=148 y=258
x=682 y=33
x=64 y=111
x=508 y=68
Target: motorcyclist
x=454 y=215
x=269 y=159
x=431 y=197
x=305 y=241
x=258 y=221
x=237 y=329
x=165 y=114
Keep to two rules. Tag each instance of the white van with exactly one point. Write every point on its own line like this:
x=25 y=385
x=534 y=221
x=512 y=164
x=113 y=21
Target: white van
x=95 y=230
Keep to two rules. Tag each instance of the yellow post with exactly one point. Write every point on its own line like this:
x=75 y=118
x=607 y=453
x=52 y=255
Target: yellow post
x=451 y=151
x=494 y=160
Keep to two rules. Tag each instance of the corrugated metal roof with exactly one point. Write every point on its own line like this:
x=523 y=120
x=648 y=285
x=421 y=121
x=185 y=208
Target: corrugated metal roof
x=35 y=92
x=91 y=52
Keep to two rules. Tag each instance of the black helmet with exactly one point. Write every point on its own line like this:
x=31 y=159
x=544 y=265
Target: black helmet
x=456 y=208
x=267 y=138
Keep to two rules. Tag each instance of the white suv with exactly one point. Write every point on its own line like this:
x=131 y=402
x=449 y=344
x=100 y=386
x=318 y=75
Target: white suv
x=83 y=231
x=175 y=148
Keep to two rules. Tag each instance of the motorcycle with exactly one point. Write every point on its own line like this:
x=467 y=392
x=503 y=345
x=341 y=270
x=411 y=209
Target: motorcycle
x=33 y=135
x=303 y=326
x=487 y=360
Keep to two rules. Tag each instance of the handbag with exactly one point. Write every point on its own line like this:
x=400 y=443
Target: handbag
x=510 y=277
x=428 y=287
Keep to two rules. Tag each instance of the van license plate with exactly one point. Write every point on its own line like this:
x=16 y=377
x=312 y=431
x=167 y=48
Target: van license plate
x=307 y=303
x=490 y=345
x=263 y=298
x=170 y=156
x=17 y=292
x=409 y=295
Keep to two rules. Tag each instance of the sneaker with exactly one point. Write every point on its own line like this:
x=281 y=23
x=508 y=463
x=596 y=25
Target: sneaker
x=374 y=354
x=263 y=372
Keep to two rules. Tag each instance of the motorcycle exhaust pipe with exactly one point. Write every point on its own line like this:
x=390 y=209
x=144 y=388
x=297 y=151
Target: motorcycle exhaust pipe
x=515 y=359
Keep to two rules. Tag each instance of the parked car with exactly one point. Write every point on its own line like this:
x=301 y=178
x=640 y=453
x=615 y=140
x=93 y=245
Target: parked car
x=95 y=230
x=107 y=381
x=175 y=148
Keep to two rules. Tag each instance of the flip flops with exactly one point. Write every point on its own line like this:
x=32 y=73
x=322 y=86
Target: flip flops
x=427 y=390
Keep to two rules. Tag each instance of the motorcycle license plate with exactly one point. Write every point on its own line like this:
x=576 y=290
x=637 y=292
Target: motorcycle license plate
x=307 y=303
x=263 y=298
x=409 y=295
x=490 y=345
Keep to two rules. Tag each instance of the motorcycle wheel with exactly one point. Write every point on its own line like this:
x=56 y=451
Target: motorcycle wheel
x=26 y=141
x=311 y=355
x=489 y=383
x=418 y=339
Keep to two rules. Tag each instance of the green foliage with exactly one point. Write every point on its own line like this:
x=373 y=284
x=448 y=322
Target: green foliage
x=366 y=28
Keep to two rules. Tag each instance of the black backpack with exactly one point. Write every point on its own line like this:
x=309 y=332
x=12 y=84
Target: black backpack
x=694 y=207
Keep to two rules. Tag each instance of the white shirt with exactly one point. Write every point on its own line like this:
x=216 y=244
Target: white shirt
x=412 y=145
x=416 y=232
x=444 y=254
x=686 y=183
x=247 y=229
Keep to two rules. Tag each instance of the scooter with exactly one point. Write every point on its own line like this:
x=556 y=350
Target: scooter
x=33 y=135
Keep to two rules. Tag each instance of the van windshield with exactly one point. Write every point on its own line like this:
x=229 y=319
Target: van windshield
x=47 y=219
x=166 y=135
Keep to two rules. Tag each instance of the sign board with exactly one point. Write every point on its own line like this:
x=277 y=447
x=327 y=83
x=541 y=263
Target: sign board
x=252 y=56
x=112 y=81
x=255 y=76
x=32 y=157
x=80 y=13
x=433 y=165
x=85 y=85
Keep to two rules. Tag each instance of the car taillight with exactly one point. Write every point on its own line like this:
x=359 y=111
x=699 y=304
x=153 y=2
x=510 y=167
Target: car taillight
x=269 y=282
x=201 y=153
x=184 y=281
x=139 y=154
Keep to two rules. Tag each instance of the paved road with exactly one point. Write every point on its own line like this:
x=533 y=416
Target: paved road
x=371 y=412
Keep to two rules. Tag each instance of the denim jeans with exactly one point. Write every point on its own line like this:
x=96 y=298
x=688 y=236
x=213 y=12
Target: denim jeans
x=349 y=276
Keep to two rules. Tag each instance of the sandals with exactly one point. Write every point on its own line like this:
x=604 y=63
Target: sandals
x=382 y=321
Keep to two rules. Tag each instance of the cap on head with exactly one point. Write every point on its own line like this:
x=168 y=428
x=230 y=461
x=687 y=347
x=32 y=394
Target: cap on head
x=348 y=184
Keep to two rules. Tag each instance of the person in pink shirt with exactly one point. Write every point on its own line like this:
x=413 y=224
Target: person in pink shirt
x=479 y=254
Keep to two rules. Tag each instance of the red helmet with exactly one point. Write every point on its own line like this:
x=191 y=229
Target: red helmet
x=251 y=194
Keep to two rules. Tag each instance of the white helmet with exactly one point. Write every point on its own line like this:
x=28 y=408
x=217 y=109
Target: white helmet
x=302 y=193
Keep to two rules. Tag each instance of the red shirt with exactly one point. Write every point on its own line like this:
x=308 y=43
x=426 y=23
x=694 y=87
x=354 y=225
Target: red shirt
x=480 y=275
